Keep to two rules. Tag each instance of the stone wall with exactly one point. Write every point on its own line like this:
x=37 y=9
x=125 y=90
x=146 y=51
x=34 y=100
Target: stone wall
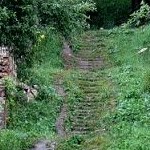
x=7 y=68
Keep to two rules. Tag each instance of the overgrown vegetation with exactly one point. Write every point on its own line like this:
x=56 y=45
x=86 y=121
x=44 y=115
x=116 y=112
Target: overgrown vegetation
x=139 y=17
x=35 y=31
x=127 y=125
x=29 y=121
x=22 y=22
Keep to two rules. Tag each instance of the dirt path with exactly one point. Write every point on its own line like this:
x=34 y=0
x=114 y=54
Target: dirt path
x=59 y=125
x=60 y=128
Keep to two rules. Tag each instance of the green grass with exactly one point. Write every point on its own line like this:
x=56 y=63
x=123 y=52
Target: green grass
x=124 y=124
x=30 y=122
x=127 y=125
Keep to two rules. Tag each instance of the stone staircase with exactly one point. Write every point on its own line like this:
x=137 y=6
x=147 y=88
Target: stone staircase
x=86 y=112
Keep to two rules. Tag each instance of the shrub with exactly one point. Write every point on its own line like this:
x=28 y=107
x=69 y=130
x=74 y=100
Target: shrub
x=139 y=17
x=21 y=22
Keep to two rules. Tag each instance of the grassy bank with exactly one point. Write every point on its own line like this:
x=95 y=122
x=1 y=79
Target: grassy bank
x=35 y=120
x=127 y=126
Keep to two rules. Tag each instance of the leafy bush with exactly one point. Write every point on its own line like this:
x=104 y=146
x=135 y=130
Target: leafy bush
x=21 y=22
x=139 y=17
x=65 y=15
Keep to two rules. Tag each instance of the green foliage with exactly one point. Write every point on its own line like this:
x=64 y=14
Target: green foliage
x=11 y=98
x=28 y=122
x=18 y=25
x=139 y=17
x=129 y=123
x=14 y=140
x=46 y=59
x=72 y=143
x=125 y=126
x=147 y=82
x=65 y=15
x=21 y=22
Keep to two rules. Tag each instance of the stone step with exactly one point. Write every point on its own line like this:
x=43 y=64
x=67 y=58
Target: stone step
x=81 y=122
x=91 y=91
x=84 y=107
x=88 y=84
x=85 y=67
x=89 y=103
x=85 y=111
x=89 y=79
x=80 y=129
x=84 y=117
x=89 y=59
x=92 y=95
x=89 y=87
x=81 y=117
x=89 y=63
x=79 y=132
x=84 y=103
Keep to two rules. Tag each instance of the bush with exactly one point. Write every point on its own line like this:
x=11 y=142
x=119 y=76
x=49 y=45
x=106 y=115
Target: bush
x=21 y=22
x=139 y=17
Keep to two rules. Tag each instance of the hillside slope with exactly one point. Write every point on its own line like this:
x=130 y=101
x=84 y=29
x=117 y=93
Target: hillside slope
x=108 y=91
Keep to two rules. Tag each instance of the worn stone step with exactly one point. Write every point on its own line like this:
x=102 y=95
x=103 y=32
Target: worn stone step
x=84 y=107
x=87 y=117
x=85 y=67
x=89 y=103
x=80 y=132
x=81 y=129
x=81 y=122
x=88 y=84
x=93 y=95
x=89 y=63
x=84 y=103
x=88 y=79
x=83 y=116
x=85 y=111
x=89 y=59
x=91 y=91
x=89 y=87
